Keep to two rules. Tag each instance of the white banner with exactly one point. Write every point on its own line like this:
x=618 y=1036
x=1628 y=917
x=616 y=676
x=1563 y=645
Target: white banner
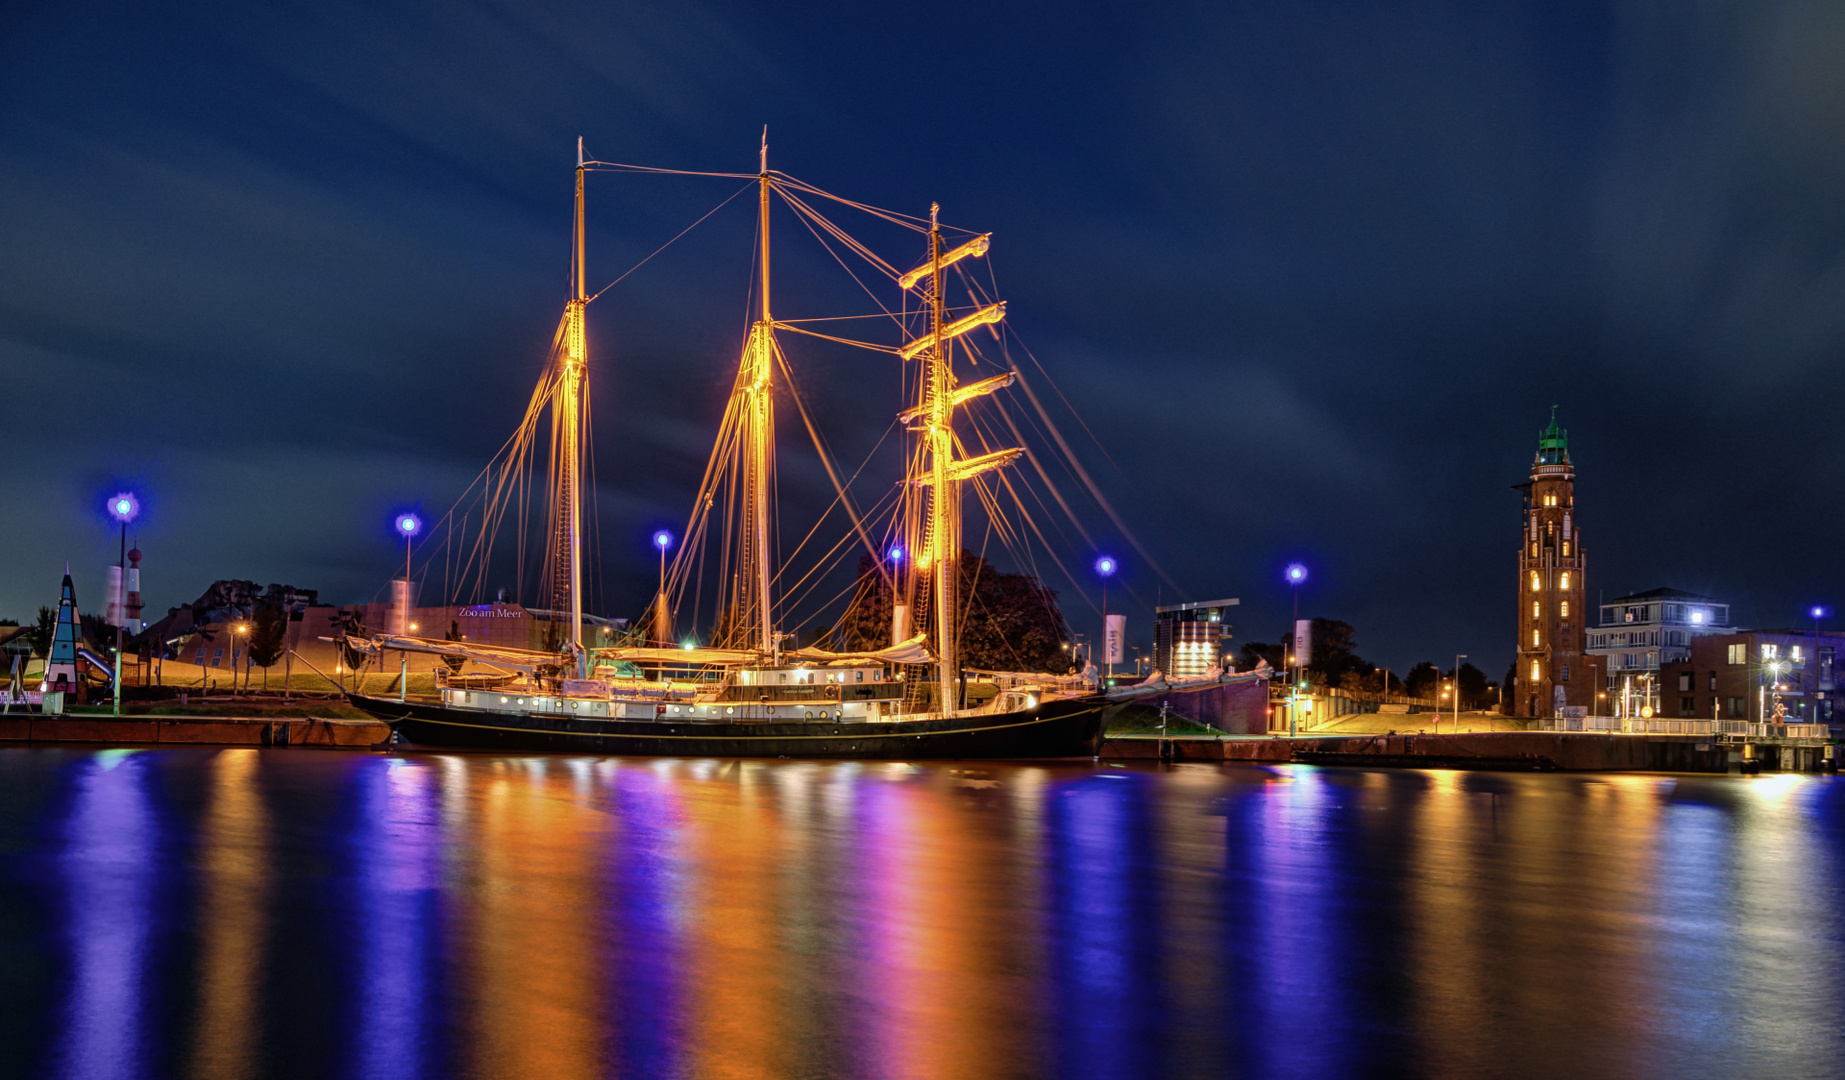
x=1114 y=632
x=1303 y=642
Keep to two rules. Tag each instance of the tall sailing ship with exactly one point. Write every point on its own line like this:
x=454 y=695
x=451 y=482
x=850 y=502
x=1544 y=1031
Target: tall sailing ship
x=749 y=693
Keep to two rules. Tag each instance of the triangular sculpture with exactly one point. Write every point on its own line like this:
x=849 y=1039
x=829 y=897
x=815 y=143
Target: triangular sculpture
x=61 y=663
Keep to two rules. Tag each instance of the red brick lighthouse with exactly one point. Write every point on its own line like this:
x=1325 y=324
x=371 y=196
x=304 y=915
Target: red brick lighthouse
x=1552 y=670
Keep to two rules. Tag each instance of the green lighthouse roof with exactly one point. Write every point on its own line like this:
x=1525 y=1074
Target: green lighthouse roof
x=1553 y=443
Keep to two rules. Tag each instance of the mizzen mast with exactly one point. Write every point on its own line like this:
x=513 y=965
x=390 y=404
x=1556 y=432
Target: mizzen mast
x=567 y=442
x=940 y=549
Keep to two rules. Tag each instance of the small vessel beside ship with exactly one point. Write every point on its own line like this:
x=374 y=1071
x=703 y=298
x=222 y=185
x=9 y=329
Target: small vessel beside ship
x=748 y=693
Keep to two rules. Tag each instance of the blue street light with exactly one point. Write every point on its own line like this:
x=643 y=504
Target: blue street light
x=124 y=507
x=896 y=553
x=1296 y=573
x=1105 y=566
x=1819 y=611
x=663 y=540
x=408 y=525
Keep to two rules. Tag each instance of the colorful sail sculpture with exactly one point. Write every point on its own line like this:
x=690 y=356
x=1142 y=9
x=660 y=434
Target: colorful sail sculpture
x=66 y=640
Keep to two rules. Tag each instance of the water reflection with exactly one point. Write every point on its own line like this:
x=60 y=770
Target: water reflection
x=568 y=917
x=109 y=846
x=233 y=916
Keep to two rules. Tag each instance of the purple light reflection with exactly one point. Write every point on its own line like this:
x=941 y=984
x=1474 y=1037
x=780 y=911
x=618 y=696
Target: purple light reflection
x=109 y=863
x=396 y=851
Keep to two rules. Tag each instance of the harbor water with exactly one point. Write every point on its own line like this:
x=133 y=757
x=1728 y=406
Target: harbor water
x=245 y=912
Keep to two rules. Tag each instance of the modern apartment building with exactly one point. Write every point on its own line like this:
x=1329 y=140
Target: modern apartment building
x=1638 y=633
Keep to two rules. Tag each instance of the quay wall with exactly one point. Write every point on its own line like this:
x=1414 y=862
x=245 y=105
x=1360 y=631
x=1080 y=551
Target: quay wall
x=1562 y=751
x=192 y=731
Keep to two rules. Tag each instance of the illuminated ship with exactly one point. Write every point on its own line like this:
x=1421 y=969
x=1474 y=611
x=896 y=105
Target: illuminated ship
x=748 y=693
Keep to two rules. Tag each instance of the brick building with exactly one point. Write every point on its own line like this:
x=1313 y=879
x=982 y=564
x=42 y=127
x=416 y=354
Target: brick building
x=1732 y=676
x=1552 y=671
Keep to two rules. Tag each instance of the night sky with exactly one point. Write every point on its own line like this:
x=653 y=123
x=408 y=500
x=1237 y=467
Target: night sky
x=1313 y=273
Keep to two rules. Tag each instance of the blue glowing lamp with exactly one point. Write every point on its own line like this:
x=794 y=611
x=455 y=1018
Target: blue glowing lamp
x=123 y=506
x=408 y=525
x=1296 y=573
x=896 y=553
x=1819 y=611
x=1106 y=566
x=663 y=540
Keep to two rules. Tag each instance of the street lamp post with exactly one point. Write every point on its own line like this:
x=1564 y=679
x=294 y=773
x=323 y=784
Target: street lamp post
x=1818 y=611
x=1458 y=657
x=662 y=540
x=1295 y=575
x=408 y=525
x=123 y=508
x=1105 y=567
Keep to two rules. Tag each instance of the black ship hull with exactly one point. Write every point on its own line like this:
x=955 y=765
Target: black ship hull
x=1052 y=729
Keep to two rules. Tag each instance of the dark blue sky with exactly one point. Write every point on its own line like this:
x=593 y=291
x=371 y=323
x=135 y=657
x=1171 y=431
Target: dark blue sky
x=1314 y=273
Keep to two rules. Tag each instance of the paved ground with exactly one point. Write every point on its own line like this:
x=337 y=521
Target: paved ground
x=1417 y=723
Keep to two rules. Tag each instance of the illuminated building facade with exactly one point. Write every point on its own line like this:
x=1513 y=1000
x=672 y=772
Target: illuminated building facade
x=1640 y=632
x=1553 y=672
x=1188 y=638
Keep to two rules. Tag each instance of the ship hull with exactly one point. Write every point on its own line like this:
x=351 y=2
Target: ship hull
x=1051 y=729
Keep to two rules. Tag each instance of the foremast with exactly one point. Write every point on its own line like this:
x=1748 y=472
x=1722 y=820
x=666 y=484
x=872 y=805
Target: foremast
x=567 y=428
x=938 y=551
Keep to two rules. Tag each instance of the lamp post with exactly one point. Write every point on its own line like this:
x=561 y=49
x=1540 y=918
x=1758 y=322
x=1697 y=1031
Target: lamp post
x=1818 y=612
x=242 y=629
x=1295 y=575
x=407 y=525
x=123 y=507
x=1105 y=567
x=1458 y=657
x=662 y=540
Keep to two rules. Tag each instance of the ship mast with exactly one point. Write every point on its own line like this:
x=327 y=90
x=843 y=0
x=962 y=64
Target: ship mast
x=567 y=433
x=941 y=547
x=757 y=384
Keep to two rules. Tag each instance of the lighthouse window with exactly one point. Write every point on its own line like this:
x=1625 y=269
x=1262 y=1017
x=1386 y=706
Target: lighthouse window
x=1566 y=579
x=1564 y=609
x=1534 y=671
x=1534 y=637
x=1536 y=610
x=1535 y=583
x=1566 y=548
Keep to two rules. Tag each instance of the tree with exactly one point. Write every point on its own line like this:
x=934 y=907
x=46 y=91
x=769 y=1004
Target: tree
x=1473 y=688
x=1012 y=621
x=1508 y=700
x=1422 y=681
x=1256 y=652
x=268 y=637
x=40 y=635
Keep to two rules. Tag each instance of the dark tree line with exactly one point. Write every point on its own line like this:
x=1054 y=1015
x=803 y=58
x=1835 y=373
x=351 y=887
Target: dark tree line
x=1010 y=622
x=1335 y=662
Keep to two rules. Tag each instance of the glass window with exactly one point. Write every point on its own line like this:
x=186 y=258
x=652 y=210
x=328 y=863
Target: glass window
x=1534 y=637
x=1566 y=673
x=1564 y=610
x=1769 y=651
x=1535 y=583
x=1534 y=671
x=1536 y=611
x=217 y=655
x=1566 y=579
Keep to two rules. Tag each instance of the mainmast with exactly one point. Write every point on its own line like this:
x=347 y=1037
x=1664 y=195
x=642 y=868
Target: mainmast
x=567 y=433
x=941 y=546
x=756 y=382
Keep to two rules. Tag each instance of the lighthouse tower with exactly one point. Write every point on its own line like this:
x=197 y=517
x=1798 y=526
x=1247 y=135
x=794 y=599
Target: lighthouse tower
x=1551 y=669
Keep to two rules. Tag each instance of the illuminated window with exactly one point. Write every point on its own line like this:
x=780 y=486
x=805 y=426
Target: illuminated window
x=1536 y=611
x=1566 y=548
x=1534 y=637
x=1535 y=583
x=1534 y=671
x=1564 y=609
x=1566 y=580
